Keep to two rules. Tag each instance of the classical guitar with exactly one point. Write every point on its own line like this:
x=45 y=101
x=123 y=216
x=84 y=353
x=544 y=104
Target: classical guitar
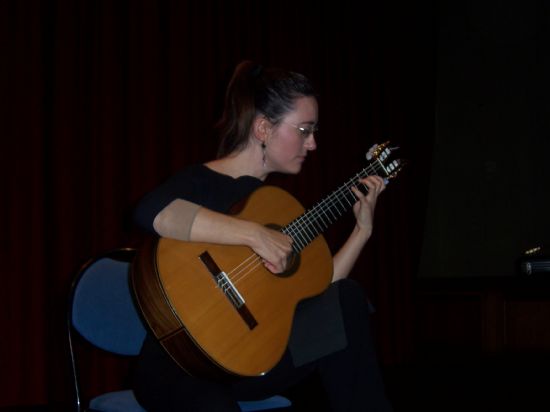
x=216 y=309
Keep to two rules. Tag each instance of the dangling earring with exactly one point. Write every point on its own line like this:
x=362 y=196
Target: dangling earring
x=263 y=153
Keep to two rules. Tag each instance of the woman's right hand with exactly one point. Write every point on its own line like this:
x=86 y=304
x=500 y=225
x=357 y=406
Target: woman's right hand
x=273 y=247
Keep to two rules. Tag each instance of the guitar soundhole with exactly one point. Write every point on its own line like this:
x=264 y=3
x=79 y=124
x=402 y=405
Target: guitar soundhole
x=293 y=259
x=292 y=267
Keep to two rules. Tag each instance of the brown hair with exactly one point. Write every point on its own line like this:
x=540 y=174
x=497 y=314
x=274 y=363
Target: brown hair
x=255 y=90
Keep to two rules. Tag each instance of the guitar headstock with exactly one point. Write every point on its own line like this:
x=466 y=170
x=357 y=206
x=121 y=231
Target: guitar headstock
x=379 y=156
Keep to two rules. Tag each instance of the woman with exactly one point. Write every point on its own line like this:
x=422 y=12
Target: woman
x=268 y=125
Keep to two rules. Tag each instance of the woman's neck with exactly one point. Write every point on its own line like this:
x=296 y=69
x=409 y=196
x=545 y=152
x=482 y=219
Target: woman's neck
x=244 y=163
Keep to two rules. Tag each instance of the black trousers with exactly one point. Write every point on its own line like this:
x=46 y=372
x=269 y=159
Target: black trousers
x=351 y=377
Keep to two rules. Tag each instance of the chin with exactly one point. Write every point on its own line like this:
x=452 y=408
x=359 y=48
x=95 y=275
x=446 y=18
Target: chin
x=296 y=170
x=292 y=168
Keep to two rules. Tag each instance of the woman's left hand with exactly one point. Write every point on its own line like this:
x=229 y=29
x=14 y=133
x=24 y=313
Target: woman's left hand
x=364 y=207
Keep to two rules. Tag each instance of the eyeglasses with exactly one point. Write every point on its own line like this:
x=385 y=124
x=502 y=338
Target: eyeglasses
x=305 y=131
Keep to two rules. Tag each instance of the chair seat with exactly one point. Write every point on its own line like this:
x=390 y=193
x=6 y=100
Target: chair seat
x=118 y=401
x=275 y=402
x=125 y=401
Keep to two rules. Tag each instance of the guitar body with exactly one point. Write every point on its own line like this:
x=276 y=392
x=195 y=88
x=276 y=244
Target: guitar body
x=188 y=311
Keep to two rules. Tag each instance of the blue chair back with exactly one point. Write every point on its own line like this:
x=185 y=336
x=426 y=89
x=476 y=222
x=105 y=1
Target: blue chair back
x=103 y=310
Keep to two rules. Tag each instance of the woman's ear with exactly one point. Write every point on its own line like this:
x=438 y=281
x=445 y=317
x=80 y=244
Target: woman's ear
x=262 y=128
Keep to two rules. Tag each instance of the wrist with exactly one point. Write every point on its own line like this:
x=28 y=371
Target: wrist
x=362 y=233
x=248 y=233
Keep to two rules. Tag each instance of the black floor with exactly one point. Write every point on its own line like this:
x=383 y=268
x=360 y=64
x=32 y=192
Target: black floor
x=469 y=387
x=500 y=384
x=510 y=384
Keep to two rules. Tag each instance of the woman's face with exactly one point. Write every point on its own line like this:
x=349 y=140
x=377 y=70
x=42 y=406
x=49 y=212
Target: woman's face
x=293 y=137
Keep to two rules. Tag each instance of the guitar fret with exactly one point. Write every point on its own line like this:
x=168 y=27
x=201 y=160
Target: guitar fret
x=351 y=195
x=342 y=206
x=334 y=217
x=301 y=243
x=323 y=217
x=318 y=228
x=289 y=230
x=311 y=234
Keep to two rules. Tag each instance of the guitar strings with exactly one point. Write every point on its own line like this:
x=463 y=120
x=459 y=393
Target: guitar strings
x=306 y=220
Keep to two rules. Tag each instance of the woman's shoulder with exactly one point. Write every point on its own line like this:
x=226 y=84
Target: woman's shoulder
x=201 y=171
x=194 y=172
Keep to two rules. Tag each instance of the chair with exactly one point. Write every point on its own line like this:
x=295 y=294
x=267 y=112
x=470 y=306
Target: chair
x=101 y=310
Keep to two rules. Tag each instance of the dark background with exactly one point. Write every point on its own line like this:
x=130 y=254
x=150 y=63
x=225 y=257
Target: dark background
x=489 y=197
x=102 y=100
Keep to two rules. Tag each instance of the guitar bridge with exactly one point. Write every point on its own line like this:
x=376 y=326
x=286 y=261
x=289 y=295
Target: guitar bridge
x=225 y=284
x=228 y=289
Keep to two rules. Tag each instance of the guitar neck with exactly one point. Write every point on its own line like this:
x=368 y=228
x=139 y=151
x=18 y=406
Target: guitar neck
x=313 y=222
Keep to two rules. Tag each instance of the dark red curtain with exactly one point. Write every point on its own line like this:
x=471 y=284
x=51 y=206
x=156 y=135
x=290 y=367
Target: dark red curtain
x=102 y=100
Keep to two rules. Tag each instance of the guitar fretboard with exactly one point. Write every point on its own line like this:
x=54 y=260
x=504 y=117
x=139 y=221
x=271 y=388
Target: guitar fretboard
x=306 y=227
